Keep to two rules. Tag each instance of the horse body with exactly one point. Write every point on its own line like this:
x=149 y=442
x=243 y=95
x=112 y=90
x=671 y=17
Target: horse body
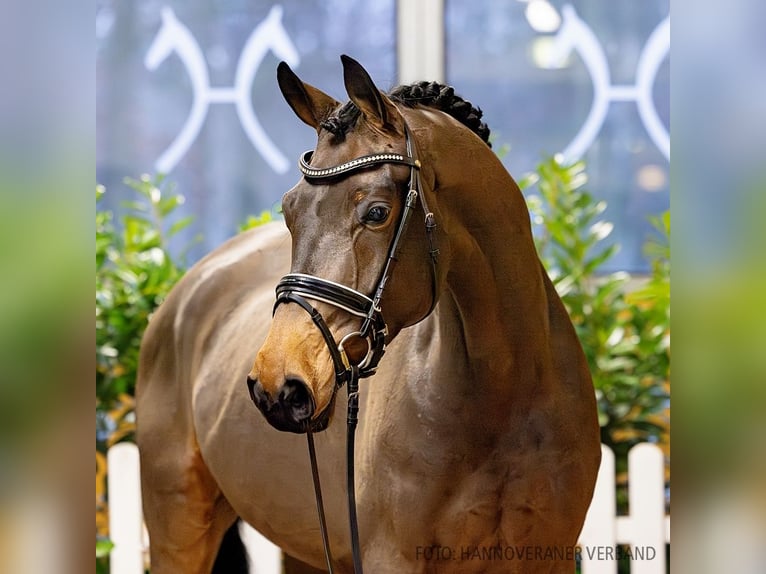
x=478 y=431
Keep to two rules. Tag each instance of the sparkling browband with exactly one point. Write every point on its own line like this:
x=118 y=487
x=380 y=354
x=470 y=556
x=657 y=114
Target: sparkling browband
x=354 y=164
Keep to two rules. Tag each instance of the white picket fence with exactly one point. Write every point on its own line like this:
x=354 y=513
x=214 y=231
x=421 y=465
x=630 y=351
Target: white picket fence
x=646 y=530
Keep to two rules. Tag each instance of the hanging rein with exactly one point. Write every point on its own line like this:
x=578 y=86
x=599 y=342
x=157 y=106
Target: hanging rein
x=299 y=288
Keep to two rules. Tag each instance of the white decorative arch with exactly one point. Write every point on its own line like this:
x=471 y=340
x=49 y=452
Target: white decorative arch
x=576 y=35
x=173 y=36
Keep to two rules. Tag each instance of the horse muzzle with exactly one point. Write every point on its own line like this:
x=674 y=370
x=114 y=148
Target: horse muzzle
x=291 y=408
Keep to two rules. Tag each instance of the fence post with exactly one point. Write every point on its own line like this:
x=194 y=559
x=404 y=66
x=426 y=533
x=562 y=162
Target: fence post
x=599 y=530
x=265 y=556
x=646 y=496
x=125 y=514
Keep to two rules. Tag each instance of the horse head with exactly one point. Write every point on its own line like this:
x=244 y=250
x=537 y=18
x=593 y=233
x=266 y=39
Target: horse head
x=566 y=38
x=279 y=40
x=165 y=41
x=344 y=226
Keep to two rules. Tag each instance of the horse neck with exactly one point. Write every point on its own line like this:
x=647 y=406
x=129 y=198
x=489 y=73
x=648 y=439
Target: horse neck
x=494 y=305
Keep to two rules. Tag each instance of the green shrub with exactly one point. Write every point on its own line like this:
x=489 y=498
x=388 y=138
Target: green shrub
x=134 y=274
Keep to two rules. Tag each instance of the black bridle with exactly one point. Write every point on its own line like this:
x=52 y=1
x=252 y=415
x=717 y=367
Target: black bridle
x=300 y=288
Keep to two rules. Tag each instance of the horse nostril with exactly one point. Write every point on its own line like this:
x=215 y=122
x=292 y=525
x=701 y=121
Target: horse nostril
x=257 y=393
x=296 y=399
x=291 y=408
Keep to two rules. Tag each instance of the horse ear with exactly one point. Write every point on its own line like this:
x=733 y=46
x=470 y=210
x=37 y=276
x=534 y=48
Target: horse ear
x=309 y=104
x=375 y=107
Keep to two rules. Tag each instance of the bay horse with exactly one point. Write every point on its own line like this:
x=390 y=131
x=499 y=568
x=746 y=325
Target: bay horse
x=478 y=441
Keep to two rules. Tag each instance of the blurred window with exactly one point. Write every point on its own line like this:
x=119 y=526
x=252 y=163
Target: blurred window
x=210 y=68
x=539 y=68
x=189 y=89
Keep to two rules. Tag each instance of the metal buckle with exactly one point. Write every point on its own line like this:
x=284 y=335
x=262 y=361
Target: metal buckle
x=364 y=363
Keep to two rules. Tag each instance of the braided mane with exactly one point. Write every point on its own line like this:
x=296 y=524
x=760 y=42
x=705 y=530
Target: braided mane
x=431 y=94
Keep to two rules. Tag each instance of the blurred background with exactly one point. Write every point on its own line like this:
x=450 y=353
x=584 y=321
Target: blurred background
x=587 y=78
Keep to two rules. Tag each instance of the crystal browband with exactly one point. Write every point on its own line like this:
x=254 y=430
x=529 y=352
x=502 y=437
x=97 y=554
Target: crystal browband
x=358 y=163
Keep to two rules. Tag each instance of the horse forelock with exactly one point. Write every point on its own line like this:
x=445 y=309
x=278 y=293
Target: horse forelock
x=429 y=94
x=341 y=120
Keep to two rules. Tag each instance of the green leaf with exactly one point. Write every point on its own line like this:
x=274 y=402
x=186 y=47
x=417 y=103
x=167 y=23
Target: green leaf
x=528 y=180
x=265 y=217
x=168 y=204
x=136 y=206
x=597 y=261
x=179 y=225
x=103 y=547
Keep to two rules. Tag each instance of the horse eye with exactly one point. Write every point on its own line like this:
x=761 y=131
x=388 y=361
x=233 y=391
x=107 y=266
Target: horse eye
x=377 y=214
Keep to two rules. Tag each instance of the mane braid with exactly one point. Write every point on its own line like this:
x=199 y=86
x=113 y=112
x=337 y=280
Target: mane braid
x=441 y=97
x=430 y=94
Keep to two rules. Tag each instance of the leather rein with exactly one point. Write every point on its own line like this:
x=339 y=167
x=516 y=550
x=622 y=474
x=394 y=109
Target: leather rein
x=300 y=288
